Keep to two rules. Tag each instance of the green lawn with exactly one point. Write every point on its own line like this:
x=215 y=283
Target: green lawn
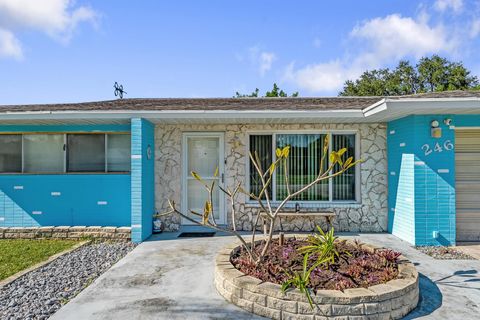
x=19 y=254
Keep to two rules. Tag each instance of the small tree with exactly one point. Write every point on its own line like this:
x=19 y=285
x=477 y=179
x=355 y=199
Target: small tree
x=276 y=92
x=337 y=165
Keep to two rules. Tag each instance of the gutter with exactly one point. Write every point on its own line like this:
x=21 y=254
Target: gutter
x=181 y=114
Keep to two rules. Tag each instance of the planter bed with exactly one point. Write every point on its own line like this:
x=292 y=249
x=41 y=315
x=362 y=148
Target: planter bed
x=392 y=299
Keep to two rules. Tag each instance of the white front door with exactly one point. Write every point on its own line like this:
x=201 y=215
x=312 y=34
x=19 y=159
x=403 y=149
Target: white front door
x=203 y=153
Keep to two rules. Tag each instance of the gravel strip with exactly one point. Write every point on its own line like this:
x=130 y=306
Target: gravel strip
x=444 y=253
x=40 y=293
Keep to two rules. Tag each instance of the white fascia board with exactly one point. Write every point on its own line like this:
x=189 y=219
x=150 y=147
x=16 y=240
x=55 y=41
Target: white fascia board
x=408 y=106
x=375 y=108
x=182 y=114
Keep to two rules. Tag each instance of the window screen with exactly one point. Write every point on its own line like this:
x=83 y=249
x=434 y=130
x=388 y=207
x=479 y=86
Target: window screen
x=118 y=152
x=43 y=152
x=86 y=153
x=10 y=153
x=344 y=184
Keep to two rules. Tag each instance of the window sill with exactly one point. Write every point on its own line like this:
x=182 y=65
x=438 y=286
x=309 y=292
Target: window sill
x=306 y=206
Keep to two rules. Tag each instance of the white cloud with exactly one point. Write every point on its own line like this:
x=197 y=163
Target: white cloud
x=9 y=45
x=475 y=28
x=266 y=60
x=326 y=77
x=443 y=5
x=377 y=41
x=395 y=37
x=56 y=18
x=263 y=60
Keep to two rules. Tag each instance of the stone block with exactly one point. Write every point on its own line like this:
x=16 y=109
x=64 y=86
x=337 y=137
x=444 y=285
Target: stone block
x=247 y=282
x=331 y=296
x=318 y=309
x=266 y=312
x=221 y=290
x=93 y=229
x=254 y=297
x=59 y=234
x=402 y=286
x=280 y=304
x=44 y=234
x=77 y=229
x=293 y=316
x=222 y=259
x=347 y=309
x=358 y=295
x=384 y=291
x=233 y=289
x=109 y=229
x=270 y=289
x=123 y=230
x=242 y=303
x=121 y=236
x=399 y=312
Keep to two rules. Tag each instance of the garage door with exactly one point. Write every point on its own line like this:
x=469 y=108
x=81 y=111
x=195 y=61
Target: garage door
x=467 y=167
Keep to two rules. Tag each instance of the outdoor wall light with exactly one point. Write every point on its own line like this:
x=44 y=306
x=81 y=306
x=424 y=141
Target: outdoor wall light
x=435 y=131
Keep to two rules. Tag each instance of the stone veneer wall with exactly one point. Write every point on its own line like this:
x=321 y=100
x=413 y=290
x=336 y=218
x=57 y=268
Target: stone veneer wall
x=66 y=232
x=368 y=216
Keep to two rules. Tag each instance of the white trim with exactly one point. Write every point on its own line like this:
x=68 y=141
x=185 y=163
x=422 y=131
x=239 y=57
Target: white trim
x=106 y=153
x=221 y=170
x=374 y=106
x=330 y=184
x=185 y=114
x=467 y=128
x=329 y=133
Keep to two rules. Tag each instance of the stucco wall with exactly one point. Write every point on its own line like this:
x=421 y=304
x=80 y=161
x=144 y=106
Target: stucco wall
x=369 y=215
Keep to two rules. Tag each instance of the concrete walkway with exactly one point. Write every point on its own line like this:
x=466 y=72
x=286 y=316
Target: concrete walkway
x=173 y=279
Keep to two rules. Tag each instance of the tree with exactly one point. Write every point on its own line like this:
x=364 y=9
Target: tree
x=337 y=164
x=430 y=74
x=274 y=93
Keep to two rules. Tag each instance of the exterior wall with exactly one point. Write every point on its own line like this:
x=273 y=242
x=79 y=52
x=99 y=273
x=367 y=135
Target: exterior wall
x=370 y=215
x=26 y=200
x=401 y=194
x=432 y=178
x=142 y=170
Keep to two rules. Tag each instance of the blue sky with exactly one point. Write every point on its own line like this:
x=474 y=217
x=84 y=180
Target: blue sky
x=70 y=51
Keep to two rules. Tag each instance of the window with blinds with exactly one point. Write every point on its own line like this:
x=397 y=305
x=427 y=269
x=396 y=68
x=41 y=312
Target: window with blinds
x=260 y=145
x=306 y=151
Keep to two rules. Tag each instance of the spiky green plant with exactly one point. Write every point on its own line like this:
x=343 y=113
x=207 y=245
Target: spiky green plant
x=323 y=245
x=300 y=280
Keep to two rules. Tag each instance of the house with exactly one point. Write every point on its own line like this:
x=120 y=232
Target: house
x=114 y=163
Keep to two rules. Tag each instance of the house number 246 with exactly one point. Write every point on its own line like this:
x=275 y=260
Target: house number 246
x=447 y=146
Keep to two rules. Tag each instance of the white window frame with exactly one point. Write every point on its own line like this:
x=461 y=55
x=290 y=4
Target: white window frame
x=329 y=133
x=65 y=147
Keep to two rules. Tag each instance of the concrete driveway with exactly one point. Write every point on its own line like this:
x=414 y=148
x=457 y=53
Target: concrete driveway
x=171 y=278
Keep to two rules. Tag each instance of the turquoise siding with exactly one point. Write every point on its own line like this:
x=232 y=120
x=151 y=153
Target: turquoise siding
x=401 y=195
x=77 y=200
x=28 y=200
x=428 y=176
x=143 y=187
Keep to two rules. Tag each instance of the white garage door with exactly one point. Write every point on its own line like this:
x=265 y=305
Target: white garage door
x=467 y=167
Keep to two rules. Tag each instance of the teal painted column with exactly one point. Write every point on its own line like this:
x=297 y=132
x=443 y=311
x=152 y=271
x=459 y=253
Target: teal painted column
x=142 y=177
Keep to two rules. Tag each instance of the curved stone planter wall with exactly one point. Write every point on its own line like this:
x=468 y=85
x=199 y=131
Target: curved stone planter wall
x=392 y=300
